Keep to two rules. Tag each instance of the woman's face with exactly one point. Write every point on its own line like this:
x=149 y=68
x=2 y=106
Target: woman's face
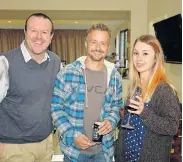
x=143 y=58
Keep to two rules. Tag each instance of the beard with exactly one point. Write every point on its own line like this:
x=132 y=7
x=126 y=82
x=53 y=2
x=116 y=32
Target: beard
x=97 y=58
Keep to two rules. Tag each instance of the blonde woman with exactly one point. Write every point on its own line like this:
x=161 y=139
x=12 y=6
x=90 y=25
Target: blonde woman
x=156 y=116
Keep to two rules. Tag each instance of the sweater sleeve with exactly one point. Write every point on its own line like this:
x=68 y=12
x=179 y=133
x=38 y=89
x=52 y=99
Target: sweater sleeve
x=163 y=115
x=60 y=118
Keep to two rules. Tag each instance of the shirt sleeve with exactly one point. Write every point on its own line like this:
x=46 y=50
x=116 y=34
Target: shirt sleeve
x=61 y=66
x=66 y=130
x=4 y=79
x=116 y=104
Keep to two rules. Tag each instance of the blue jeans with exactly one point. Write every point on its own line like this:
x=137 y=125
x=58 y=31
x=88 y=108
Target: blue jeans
x=99 y=157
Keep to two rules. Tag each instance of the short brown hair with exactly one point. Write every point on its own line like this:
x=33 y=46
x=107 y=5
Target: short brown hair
x=101 y=27
x=39 y=15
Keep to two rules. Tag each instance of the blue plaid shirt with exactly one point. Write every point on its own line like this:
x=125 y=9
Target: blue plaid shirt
x=68 y=106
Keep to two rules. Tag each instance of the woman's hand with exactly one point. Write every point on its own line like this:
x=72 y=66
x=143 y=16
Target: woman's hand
x=138 y=105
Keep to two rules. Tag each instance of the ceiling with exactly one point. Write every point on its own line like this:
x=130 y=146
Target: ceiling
x=65 y=18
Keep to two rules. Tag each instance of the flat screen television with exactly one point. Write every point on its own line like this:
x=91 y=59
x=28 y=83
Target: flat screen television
x=169 y=34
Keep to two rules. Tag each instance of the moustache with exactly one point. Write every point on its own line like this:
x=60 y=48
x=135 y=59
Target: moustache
x=98 y=51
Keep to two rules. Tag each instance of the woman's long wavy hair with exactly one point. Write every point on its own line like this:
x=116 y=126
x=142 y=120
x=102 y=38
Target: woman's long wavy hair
x=157 y=72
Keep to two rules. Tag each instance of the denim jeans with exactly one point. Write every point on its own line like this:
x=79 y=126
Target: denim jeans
x=99 y=157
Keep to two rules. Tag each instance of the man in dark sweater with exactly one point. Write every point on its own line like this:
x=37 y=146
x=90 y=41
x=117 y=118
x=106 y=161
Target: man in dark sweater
x=28 y=77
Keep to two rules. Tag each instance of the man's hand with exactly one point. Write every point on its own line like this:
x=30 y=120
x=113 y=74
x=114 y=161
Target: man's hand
x=105 y=127
x=83 y=142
